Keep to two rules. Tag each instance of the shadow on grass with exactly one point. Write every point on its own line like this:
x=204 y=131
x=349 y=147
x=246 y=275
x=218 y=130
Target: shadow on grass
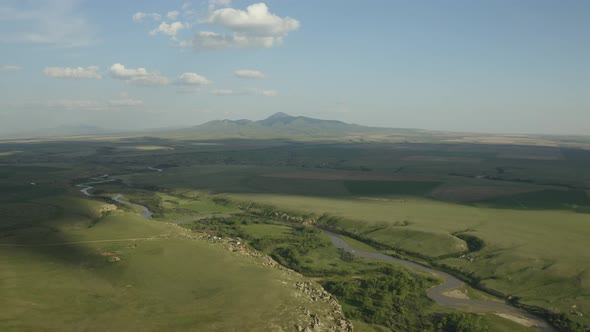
x=48 y=238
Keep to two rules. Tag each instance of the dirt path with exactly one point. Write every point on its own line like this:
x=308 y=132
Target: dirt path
x=440 y=293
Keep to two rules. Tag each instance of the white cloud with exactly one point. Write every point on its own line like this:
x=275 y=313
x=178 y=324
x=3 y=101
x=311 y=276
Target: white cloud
x=119 y=103
x=153 y=79
x=169 y=29
x=213 y=40
x=55 y=23
x=225 y=92
x=254 y=27
x=249 y=73
x=67 y=72
x=140 y=16
x=119 y=71
x=139 y=76
x=261 y=92
x=125 y=102
x=255 y=20
x=191 y=79
x=250 y=91
x=173 y=15
x=74 y=104
x=6 y=68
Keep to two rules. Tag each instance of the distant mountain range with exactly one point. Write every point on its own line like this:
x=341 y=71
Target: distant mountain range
x=282 y=125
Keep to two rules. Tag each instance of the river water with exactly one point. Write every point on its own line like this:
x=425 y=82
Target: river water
x=437 y=293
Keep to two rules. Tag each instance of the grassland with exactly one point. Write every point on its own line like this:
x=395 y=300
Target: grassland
x=525 y=253
x=527 y=204
x=69 y=263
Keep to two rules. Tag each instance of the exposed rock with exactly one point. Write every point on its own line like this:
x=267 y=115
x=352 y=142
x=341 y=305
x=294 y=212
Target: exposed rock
x=330 y=320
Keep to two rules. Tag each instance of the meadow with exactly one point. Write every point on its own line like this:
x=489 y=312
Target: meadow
x=525 y=208
x=70 y=263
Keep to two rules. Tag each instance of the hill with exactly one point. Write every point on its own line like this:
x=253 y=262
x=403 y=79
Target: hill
x=282 y=125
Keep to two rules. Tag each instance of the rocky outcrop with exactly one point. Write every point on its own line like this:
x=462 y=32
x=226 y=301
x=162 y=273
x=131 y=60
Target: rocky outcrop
x=327 y=320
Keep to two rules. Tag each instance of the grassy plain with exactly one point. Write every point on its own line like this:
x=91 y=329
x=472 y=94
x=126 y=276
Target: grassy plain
x=527 y=202
x=525 y=252
x=66 y=264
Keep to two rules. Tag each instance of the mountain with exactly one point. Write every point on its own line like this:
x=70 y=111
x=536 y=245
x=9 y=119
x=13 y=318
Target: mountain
x=282 y=125
x=283 y=119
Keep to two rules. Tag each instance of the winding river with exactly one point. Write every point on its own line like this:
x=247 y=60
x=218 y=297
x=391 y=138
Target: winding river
x=439 y=294
x=86 y=187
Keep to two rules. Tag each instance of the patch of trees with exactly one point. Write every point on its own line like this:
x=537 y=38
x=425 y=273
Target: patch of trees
x=388 y=297
x=148 y=199
x=395 y=299
x=345 y=255
x=563 y=323
x=461 y=322
x=291 y=251
x=473 y=242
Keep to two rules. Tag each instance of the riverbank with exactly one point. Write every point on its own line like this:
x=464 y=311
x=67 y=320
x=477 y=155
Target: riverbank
x=440 y=295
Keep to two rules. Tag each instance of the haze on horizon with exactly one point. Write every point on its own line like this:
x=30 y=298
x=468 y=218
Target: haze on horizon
x=478 y=66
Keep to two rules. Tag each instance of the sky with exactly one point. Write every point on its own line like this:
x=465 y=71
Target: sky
x=499 y=66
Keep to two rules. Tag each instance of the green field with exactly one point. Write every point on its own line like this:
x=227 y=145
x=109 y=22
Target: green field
x=72 y=267
x=510 y=218
x=523 y=253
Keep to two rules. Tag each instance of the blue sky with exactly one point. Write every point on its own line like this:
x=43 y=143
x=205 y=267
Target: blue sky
x=491 y=66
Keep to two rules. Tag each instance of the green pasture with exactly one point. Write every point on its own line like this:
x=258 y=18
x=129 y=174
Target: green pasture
x=60 y=274
x=538 y=255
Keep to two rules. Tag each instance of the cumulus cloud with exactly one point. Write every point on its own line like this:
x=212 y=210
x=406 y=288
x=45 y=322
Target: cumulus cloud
x=191 y=79
x=255 y=20
x=76 y=73
x=254 y=27
x=249 y=73
x=169 y=29
x=173 y=15
x=119 y=71
x=12 y=68
x=125 y=102
x=140 y=16
x=138 y=76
